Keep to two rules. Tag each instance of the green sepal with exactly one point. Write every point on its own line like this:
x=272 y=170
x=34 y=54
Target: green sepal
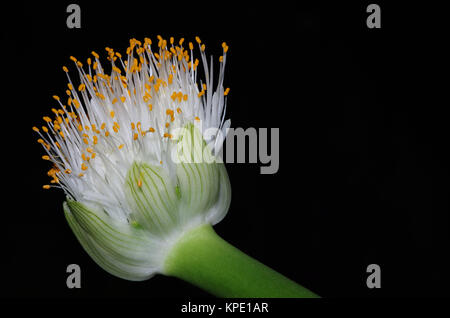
x=122 y=249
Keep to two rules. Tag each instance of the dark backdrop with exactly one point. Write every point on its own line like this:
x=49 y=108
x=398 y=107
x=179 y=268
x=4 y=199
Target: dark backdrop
x=363 y=172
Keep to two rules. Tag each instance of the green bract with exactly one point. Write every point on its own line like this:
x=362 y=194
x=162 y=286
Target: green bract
x=165 y=201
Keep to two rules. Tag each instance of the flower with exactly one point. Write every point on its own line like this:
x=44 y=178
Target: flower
x=121 y=149
x=136 y=153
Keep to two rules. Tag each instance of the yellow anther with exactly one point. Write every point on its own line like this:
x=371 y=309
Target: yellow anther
x=135 y=136
x=56 y=97
x=167 y=125
x=81 y=87
x=198 y=40
x=150 y=107
x=226 y=91
x=46 y=187
x=73 y=59
x=121 y=146
x=181 y=41
x=179 y=96
x=47 y=119
x=80 y=174
x=36 y=129
x=185 y=97
x=89 y=61
x=52 y=172
x=197 y=119
x=146 y=97
x=122 y=98
x=89 y=149
x=68 y=171
x=76 y=103
x=151 y=129
x=172 y=40
x=65 y=69
x=221 y=59
x=86 y=141
x=95 y=54
x=112 y=114
x=83 y=166
x=179 y=110
x=62 y=134
x=70 y=86
x=191 y=46
x=46 y=157
x=116 y=69
x=118 y=55
x=170 y=79
x=106 y=133
x=79 y=64
x=139 y=183
x=202 y=48
x=95 y=139
x=44 y=129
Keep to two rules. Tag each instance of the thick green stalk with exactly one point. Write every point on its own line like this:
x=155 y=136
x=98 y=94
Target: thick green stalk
x=204 y=259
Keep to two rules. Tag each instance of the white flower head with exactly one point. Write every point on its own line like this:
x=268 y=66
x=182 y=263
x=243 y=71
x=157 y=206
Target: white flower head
x=121 y=147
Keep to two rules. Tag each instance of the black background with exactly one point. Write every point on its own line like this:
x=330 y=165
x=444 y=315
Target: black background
x=364 y=134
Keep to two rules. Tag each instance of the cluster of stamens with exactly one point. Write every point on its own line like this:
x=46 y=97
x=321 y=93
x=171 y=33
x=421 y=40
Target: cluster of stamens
x=148 y=92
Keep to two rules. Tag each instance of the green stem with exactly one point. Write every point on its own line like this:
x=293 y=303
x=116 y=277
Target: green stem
x=204 y=259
